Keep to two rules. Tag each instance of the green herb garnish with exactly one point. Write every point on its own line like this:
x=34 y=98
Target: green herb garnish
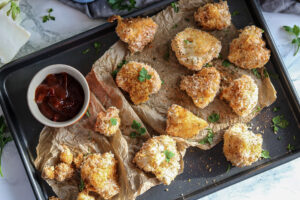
x=279 y=138
x=135 y=125
x=48 y=16
x=113 y=121
x=209 y=138
x=294 y=137
x=175 y=26
x=139 y=129
x=228 y=168
x=226 y=63
x=295 y=30
x=266 y=74
x=133 y=134
x=279 y=122
x=162 y=82
x=121 y=4
x=207 y=65
x=214 y=117
x=257 y=109
x=143 y=75
x=3 y=139
x=290 y=148
x=88 y=112
x=85 y=51
x=220 y=56
x=187 y=41
x=14 y=10
x=256 y=73
x=119 y=66
x=275 y=109
x=235 y=13
x=175 y=7
x=97 y=46
x=265 y=154
x=169 y=155
x=81 y=185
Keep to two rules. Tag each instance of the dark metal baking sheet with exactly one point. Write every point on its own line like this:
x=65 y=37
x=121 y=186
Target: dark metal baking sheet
x=205 y=171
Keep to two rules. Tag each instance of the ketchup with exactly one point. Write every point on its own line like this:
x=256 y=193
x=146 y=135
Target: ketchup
x=59 y=97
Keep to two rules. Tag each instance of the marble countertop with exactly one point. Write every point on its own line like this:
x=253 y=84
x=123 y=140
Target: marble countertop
x=279 y=183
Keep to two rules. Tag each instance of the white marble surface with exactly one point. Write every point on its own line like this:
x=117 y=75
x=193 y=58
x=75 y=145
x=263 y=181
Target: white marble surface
x=279 y=183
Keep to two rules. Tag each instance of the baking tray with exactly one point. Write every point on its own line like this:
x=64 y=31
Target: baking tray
x=205 y=171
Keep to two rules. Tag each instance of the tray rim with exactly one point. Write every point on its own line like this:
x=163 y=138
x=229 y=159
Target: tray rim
x=276 y=60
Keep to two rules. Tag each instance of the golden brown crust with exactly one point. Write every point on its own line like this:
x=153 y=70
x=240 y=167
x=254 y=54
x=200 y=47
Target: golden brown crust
x=108 y=121
x=182 y=123
x=194 y=48
x=249 y=50
x=136 y=32
x=48 y=172
x=241 y=146
x=203 y=86
x=66 y=155
x=54 y=198
x=78 y=159
x=84 y=195
x=63 y=172
x=213 y=16
x=128 y=80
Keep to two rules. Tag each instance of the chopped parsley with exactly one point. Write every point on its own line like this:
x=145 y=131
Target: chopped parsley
x=86 y=51
x=220 y=56
x=175 y=7
x=48 y=17
x=88 y=112
x=139 y=129
x=81 y=185
x=279 y=138
x=119 y=66
x=266 y=74
x=208 y=65
x=294 y=137
x=113 y=121
x=121 y=4
x=256 y=73
x=226 y=63
x=97 y=46
x=235 y=13
x=265 y=154
x=290 y=148
x=257 y=109
x=187 y=41
x=228 y=168
x=279 y=122
x=143 y=75
x=162 y=82
x=295 y=30
x=14 y=10
x=214 y=117
x=3 y=139
x=209 y=138
x=169 y=155
x=275 y=109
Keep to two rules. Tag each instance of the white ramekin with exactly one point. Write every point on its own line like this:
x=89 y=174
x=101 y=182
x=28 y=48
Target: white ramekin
x=38 y=79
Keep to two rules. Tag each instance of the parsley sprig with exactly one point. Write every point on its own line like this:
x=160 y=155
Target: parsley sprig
x=48 y=17
x=279 y=122
x=143 y=75
x=256 y=73
x=295 y=30
x=214 y=117
x=226 y=63
x=290 y=148
x=139 y=129
x=14 y=10
x=81 y=185
x=88 y=112
x=169 y=155
x=119 y=66
x=265 y=154
x=175 y=7
x=235 y=13
x=3 y=139
x=209 y=138
x=113 y=121
x=121 y=4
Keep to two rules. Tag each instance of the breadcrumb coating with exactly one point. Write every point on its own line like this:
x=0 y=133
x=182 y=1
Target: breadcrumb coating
x=194 y=48
x=242 y=95
x=128 y=80
x=108 y=121
x=66 y=155
x=63 y=172
x=249 y=50
x=136 y=32
x=54 y=198
x=78 y=159
x=182 y=123
x=203 y=86
x=213 y=16
x=99 y=173
x=241 y=146
x=152 y=157
x=48 y=172
x=85 y=196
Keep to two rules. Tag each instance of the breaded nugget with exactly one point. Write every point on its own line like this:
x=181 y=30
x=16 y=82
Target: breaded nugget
x=63 y=172
x=242 y=95
x=99 y=173
x=78 y=160
x=159 y=155
x=194 y=48
x=85 y=196
x=53 y=198
x=48 y=172
x=213 y=16
x=182 y=123
x=203 y=86
x=108 y=122
x=128 y=79
x=241 y=146
x=249 y=50
x=136 y=32
x=66 y=155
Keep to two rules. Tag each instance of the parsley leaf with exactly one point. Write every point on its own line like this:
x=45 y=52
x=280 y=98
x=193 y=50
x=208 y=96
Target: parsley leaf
x=290 y=148
x=226 y=63
x=139 y=129
x=208 y=65
x=133 y=134
x=14 y=10
x=279 y=122
x=275 y=109
x=220 y=56
x=121 y=4
x=257 y=109
x=113 y=121
x=187 y=41
x=175 y=7
x=97 y=46
x=295 y=30
x=214 y=117
x=209 y=138
x=88 y=112
x=256 y=73
x=81 y=185
x=135 y=125
x=265 y=154
x=48 y=16
x=266 y=74
x=228 y=168
x=85 y=51
x=169 y=155
x=143 y=75
x=119 y=66
x=235 y=13
x=3 y=139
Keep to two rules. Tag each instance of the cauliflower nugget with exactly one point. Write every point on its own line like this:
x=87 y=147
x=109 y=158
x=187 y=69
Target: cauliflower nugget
x=108 y=122
x=136 y=32
x=241 y=146
x=249 y=51
x=48 y=172
x=139 y=80
x=78 y=160
x=203 y=86
x=182 y=123
x=159 y=155
x=66 y=155
x=242 y=95
x=99 y=173
x=213 y=16
x=85 y=196
x=194 y=48
x=63 y=172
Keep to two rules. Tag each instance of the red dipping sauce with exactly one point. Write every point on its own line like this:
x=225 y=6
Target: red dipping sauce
x=59 y=97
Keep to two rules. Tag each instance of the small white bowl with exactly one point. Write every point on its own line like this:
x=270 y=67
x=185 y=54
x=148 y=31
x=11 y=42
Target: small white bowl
x=38 y=79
